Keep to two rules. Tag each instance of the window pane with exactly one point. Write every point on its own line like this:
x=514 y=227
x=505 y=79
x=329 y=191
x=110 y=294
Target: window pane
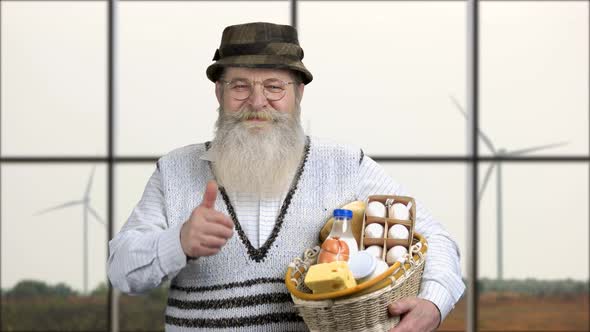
x=144 y=312
x=53 y=78
x=166 y=100
x=534 y=76
x=543 y=213
x=44 y=283
x=384 y=72
x=440 y=187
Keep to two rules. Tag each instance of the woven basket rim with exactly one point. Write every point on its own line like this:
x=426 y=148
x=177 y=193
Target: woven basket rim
x=389 y=279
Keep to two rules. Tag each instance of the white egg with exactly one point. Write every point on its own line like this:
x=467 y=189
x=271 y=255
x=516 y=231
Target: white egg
x=399 y=232
x=399 y=211
x=376 y=209
x=376 y=251
x=374 y=231
x=396 y=254
x=381 y=267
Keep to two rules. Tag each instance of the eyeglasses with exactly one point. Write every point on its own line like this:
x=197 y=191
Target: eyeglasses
x=272 y=88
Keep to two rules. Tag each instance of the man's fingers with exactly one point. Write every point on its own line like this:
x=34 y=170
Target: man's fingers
x=404 y=325
x=210 y=195
x=402 y=306
x=212 y=242
x=219 y=218
x=421 y=315
x=218 y=230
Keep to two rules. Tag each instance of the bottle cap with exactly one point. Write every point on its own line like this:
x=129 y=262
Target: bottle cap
x=362 y=264
x=343 y=213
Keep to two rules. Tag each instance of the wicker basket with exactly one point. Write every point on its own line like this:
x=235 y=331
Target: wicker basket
x=363 y=307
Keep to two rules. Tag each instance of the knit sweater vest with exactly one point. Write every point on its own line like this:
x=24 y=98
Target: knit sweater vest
x=242 y=288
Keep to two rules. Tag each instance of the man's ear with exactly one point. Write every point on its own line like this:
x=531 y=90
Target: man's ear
x=301 y=87
x=218 y=87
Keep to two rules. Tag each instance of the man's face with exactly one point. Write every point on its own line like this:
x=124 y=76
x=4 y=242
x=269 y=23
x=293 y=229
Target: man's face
x=258 y=142
x=257 y=101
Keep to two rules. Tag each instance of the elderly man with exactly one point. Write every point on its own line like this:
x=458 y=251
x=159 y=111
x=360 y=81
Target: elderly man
x=223 y=219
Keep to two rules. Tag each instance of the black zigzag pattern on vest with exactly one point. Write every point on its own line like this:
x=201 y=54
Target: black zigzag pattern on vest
x=246 y=283
x=234 y=322
x=231 y=302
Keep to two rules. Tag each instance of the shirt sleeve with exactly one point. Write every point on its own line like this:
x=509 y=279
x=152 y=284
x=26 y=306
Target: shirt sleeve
x=441 y=281
x=146 y=252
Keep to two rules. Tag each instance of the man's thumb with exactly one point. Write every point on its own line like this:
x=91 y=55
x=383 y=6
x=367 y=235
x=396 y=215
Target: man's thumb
x=210 y=194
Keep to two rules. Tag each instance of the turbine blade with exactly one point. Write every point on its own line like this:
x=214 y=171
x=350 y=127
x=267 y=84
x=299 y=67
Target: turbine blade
x=61 y=206
x=485 y=180
x=535 y=148
x=486 y=140
x=89 y=185
x=95 y=214
x=459 y=107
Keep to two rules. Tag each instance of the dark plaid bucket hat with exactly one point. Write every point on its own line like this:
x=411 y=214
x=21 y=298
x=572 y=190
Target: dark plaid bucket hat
x=259 y=45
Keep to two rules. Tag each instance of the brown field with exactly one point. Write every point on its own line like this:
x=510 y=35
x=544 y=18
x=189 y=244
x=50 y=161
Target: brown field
x=498 y=312
x=516 y=312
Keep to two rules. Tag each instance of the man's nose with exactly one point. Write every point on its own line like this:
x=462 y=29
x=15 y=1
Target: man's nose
x=257 y=98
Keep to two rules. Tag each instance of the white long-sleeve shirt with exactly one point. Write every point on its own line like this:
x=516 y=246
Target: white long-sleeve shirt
x=157 y=255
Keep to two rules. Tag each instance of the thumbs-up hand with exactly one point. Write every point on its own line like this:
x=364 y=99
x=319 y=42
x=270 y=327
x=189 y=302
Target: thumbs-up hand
x=207 y=230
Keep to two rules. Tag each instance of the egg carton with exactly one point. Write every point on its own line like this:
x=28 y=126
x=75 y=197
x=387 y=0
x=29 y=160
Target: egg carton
x=387 y=222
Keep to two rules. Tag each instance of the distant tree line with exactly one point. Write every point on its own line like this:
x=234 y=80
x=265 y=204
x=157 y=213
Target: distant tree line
x=36 y=288
x=30 y=288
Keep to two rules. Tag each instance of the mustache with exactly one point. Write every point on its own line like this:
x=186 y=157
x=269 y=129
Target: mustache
x=247 y=113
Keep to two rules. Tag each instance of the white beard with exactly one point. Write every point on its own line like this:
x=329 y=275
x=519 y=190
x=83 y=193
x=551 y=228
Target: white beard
x=251 y=157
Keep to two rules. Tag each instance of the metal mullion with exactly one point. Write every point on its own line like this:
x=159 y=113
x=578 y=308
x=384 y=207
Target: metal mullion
x=539 y=159
x=112 y=307
x=0 y=163
x=294 y=13
x=207 y=0
x=68 y=160
x=365 y=1
x=379 y=158
x=133 y=160
x=471 y=322
x=42 y=160
x=299 y=0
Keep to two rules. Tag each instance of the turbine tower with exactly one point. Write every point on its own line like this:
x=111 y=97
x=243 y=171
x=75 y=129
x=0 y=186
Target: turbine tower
x=501 y=152
x=85 y=202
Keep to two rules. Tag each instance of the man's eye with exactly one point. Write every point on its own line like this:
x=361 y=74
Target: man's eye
x=273 y=88
x=240 y=86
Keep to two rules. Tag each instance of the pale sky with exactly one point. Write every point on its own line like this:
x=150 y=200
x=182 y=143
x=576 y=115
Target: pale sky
x=383 y=74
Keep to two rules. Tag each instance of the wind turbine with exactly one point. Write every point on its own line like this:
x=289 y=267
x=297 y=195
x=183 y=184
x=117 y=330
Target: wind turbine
x=85 y=202
x=501 y=152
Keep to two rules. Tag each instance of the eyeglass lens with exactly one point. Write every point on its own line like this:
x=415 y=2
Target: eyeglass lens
x=273 y=89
